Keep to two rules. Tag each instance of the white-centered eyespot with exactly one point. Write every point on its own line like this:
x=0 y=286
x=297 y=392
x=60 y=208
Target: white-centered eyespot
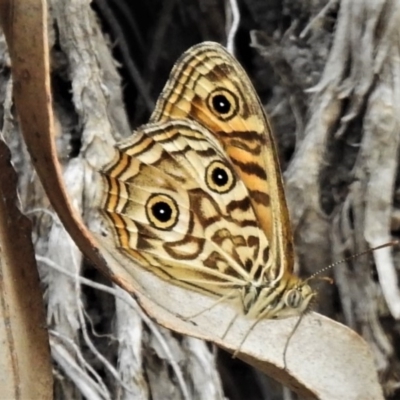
x=223 y=104
x=219 y=177
x=162 y=211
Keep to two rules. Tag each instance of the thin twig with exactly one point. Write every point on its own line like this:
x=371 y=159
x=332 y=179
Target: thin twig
x=322 y=13
x=159 y=37
x=126 y=12
x=129 y=64
x=232 y=30
x=83 y=363
x=131 y=303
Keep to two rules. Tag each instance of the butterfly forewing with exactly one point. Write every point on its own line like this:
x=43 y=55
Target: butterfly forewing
x=209 y=86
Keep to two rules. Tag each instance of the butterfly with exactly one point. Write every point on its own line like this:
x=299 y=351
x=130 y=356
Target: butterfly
x=178 y=208
x=196 y=196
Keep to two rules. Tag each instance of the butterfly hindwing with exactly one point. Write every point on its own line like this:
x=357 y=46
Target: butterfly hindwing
x=178 y=206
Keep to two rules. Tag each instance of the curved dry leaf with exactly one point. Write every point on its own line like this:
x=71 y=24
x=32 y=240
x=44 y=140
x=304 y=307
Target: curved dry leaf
x=22 y=315
x=325 y=359
x=25 y=27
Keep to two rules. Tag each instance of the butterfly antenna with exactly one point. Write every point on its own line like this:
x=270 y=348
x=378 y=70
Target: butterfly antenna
x=388 y=244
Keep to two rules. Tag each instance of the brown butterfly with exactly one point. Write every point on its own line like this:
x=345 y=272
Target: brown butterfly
x=196 y=196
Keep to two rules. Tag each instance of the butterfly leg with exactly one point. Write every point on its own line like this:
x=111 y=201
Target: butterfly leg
x=220 y=300
x=229 y=326
x=289 y=338
x=245 y=337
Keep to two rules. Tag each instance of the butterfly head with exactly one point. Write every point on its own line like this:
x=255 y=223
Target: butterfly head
x=296 y=300
x=290 y=297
